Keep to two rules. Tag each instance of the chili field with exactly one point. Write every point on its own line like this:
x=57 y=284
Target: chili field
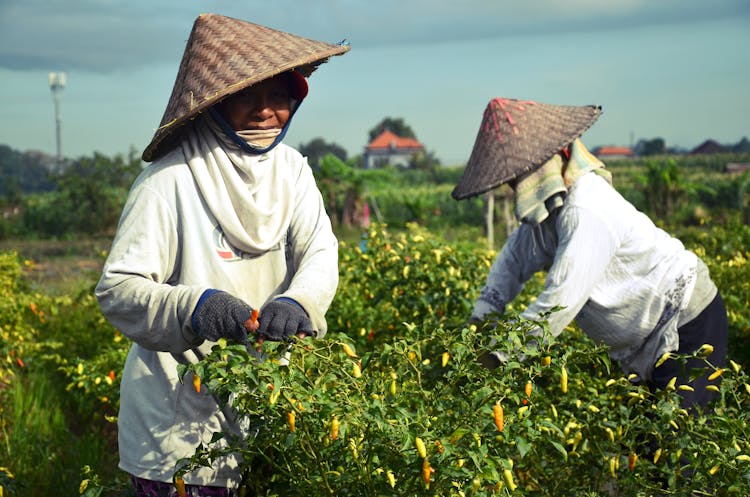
x=393 y=401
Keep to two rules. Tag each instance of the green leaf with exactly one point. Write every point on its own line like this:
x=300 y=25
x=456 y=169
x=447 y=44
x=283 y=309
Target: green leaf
x=523 y=446
x=560 y=449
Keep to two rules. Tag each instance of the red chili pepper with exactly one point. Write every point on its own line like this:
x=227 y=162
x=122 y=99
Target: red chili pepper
x=426 y=473
x=252 y=323
x=632 y=459
x=527 y=390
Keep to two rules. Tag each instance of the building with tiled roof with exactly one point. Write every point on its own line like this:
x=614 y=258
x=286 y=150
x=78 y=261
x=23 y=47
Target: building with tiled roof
x=613 y=152
x=389 y=148
x=709 y=147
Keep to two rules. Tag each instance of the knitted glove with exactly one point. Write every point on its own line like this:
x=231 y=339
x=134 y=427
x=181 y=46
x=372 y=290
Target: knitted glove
x=221 y=315
x=282 y=319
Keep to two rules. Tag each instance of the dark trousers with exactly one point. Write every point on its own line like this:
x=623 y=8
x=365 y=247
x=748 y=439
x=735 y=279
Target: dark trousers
x=710 y=326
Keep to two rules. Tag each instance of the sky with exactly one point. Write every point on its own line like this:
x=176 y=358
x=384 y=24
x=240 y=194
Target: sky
x=672 y=69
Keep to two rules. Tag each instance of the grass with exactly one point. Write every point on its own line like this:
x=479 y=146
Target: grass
x=40 y=438
x=57 y=266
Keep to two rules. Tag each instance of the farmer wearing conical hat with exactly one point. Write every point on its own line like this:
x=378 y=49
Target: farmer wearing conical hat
x=625 y=282
x=226 y=221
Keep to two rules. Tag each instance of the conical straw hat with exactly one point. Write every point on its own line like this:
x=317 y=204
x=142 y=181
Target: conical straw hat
x=225 y=55
x=518 y=136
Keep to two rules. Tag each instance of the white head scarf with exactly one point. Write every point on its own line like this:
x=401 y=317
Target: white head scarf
x=250 y=196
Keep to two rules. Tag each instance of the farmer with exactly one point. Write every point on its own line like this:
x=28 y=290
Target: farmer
x=625 y=282
x=226 y=220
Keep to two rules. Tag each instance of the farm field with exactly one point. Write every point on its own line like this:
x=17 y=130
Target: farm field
x=392 y=401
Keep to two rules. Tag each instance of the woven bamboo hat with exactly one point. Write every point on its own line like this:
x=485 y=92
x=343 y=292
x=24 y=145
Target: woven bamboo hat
x=225 y=55
x=518 y=136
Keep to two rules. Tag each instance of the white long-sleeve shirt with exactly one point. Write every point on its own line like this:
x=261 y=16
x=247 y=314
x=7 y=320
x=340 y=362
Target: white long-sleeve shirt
x=625 y=282
x=167 y=251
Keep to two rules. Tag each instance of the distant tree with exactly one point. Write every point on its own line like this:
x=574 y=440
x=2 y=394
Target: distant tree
x=742 y=146
x=341 y=185
x=425 y=161
x=654 y=146
x=395 y=125
x=88 y=198
x=24 y=172
x=317 y=148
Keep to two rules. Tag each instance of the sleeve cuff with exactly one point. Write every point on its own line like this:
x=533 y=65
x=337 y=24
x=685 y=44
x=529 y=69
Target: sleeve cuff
x=294 y=302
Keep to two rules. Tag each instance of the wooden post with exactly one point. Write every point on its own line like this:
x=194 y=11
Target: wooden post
x=489 y=217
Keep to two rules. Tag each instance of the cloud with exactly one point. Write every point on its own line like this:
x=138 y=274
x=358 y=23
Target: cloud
x=105 y=36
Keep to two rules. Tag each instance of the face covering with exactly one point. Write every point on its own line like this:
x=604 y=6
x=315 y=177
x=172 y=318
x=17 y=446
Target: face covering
x=255 y=141
x=259 y=138
x=541 y=191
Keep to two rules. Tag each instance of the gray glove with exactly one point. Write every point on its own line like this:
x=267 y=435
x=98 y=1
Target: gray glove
x=221 y=315
x=282 y=319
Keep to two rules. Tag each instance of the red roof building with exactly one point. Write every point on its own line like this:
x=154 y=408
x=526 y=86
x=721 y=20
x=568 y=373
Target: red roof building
x=613 y=152
x=389 y=148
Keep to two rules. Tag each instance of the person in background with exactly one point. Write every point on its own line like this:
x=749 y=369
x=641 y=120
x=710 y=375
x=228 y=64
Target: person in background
x=627 y=283
x=226 y=220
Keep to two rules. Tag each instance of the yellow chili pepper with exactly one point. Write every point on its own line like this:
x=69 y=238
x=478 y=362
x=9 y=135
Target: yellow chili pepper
x=508 y=477
x=421 y=449
x=610 y=434
x=736 y=367
x=445 y=358
x=291 y=419
x=671 y=384
x=356 y=370
x=657 y=455
x=475 y=483
x=335 y=423
x=391 y=479
x=664 y=357
x=564 y=380
x=706 y=350
x=348 y=350
x=715 y=374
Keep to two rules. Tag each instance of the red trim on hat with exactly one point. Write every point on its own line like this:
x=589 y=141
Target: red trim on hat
x=298 y=84
x=566 y=151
